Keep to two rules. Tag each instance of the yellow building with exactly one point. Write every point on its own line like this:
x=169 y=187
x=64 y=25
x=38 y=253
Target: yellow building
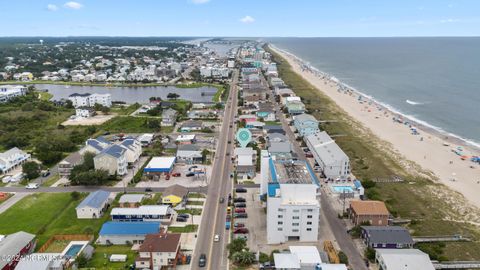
x=175 y=195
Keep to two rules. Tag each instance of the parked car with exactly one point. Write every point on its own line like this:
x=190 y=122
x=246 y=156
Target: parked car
x=241 y=190
x=241 y=205
x=181 y=219
x=167 y=177
x=192 y=167
x=32 y=186
x=45 y=173
x=239 y=199
x=184 y=215
x=240 y=210
x=240 y=230
x=222 y=200
x=239 y=225
x=240 y=215
x=202 y=262
x=177 y=174
x=309 y=155
x=190 y=174
x=148 y=189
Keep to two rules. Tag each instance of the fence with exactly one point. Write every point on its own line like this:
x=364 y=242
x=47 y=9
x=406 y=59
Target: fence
x=65 y=237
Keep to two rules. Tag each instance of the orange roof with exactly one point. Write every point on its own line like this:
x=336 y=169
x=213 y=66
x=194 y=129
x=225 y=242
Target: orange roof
x=369 y=207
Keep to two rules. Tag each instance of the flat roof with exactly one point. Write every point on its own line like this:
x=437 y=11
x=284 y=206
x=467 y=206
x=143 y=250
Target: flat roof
x=306 y=254
x=286 y=261
x=142 y=210
x=160 y=163
x=291 y=172
x=405 y=259
x=131 y=198
x=325 y=148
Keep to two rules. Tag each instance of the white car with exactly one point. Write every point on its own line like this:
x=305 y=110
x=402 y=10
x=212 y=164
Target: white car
x=216 y=238
x=32 y=186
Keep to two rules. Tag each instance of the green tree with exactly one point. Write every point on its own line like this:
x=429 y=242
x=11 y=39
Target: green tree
x=343 y=257
x=31 y=170
x=105 y=110
x=370 y=254
x=173 y=96
x=236 y=245
x=81 y=260
x=263 y=258
x=243 y=258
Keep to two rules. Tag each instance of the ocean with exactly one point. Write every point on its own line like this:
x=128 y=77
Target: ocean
x=434 y=81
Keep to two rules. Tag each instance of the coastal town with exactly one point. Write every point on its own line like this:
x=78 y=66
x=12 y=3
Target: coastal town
x=208 y=154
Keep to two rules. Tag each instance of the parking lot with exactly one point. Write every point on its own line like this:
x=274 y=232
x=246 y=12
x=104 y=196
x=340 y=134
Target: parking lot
x=200 y=180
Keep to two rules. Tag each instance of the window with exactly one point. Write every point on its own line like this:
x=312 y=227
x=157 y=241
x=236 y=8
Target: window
x=309 y=229
x=295 y=217
x=280 y=209
x=296 y=211
x=310 y=210
x=280 y=223
x=279 y=229
x=280 y=216
x=295 y=230
x=309 y=223
x=309 y=216
x=295 y=224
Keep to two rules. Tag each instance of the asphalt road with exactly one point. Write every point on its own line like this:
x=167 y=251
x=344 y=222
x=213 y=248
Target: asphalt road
x=214 y=213
x=89 y=189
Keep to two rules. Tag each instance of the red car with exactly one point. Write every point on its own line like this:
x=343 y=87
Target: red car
x=177 y=174
x=239 y=210
x=167 y=177
x=309 y=155
x=240 y=230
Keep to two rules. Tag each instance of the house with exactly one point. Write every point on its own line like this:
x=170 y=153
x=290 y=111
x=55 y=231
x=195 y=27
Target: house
x=387 y=237
x=169 y=117
x=144 y=213
x=189 y=154
x=251 y=100
x=185 y=139
x=160 y=165
x=255 y=124
x=113 y=159
x=123 y=233
x=84 y=112
x=65 y=166
x=191 y=125
x=174 y=195
x=333 y=162
x=281 y=150
x=305 y=124
x=245 y=158
x=266 y=111
x=247 y=118
x=13 y=247
x=402 y=259
x=7 y=92
x=293 y=209
x=131 y=200
x=12 y=158
x=95 y=145
x=159 y=251
x=295 y=107
x=133 y=148
x=42 y=261
x=303 y=257
x=276 y=137
x=374 y=213
x=267 y=129
x=146 y=139
x=94 y=205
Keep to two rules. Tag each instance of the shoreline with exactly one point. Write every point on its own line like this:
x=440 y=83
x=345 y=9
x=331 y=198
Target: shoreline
x=428 y=149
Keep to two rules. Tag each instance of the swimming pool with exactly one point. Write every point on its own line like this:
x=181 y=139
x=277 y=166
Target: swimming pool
x=342 y=189
x=73 y=250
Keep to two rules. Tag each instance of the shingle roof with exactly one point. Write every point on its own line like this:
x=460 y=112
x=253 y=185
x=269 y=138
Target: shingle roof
x=176 y=190
x=369 y=207
x=161 y=242
x=129 y=228
x=95 y=199
x=388 y=234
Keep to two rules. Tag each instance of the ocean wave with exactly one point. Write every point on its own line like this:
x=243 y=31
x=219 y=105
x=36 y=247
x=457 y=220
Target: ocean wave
x=414 y=102
x=392 y=109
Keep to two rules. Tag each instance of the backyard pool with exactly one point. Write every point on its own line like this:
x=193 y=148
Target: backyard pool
x=73 y=250
x=342 y=189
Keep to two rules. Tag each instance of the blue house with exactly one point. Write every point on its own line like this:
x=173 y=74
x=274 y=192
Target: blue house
x=119 y=233
x=305 y=124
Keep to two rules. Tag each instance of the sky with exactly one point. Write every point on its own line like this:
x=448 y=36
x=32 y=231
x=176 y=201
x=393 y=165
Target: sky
x=240 y=18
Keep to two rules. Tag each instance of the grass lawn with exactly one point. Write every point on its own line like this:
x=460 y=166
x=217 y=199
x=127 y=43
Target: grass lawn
x=44 y=96
x=47 y=214
x=125 y=110
x=417 y=198
x=196 y=195
x=130 y=124
x=52 y=180
x=195 y=212
x=100 y=259
x=154 y=200
x=186 y=229
x=194 y=203
x=272 y=123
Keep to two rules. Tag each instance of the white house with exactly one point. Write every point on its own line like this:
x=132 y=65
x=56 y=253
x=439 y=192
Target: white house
x=8 y=92
x=12 y=158
x=163 y=213
x=133 y=149
x=245 y=162
x=305 y=124
x=94 y=205
x=330 y=158
x=402 y=259
x=169 y=117
x=84 y=112
x=113 y=159
x=189 y=154
x=293 y=209
x=89 y=100
x=302 y=258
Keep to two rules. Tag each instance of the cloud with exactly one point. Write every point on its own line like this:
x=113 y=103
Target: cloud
x=73 y=5
x=247 y=19
x=199 y=2
x=52 y=7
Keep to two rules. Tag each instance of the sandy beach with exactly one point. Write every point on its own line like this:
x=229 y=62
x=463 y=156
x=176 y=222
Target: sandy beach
x=430 y=150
